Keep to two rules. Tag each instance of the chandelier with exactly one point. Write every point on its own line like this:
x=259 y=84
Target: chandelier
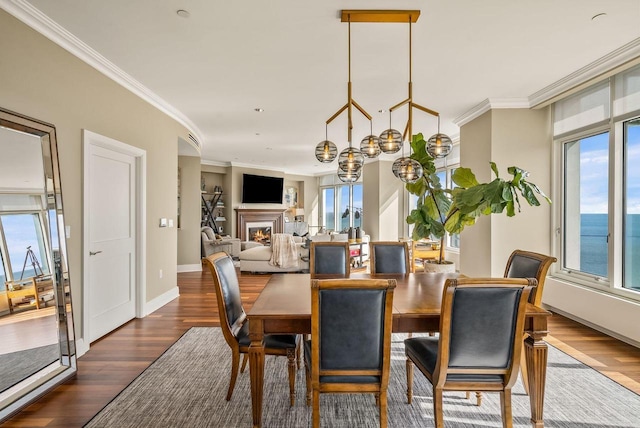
x=390 y=141
x=351 y=159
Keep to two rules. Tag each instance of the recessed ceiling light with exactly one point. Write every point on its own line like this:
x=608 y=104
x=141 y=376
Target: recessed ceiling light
x=257 y=133
x=269 y=148
x=598 y=16
x=183 y=13
x=258 y=109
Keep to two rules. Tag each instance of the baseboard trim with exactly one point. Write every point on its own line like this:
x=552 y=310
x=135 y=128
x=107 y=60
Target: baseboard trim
x=81 y=347
x=189 y=268
x=591 y=325
x=155 y=304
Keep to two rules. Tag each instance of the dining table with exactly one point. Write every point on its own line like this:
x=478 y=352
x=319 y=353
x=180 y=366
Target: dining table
x=284 y=307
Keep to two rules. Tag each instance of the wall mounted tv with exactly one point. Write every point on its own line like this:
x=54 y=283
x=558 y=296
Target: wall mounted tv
x=258 y=189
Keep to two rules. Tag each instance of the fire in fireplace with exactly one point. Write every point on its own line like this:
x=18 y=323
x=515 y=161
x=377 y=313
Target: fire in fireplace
x=260 y=234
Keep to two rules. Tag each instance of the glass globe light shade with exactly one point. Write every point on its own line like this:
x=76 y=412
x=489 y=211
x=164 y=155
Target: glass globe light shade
x=326 y=151
x=370 y=146
x=411 y=171
x=439 y=145
x=350 y=159
x=406 y=169
x=390 y=141
x=349 y=176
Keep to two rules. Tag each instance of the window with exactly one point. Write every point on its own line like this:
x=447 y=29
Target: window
x=342 y=206
x=631 y=226
x=23 y=232
x=597 y=133
x=586 y=219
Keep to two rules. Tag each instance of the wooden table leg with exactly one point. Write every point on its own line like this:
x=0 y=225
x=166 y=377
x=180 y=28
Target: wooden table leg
x=256 y=369
x=536 y=354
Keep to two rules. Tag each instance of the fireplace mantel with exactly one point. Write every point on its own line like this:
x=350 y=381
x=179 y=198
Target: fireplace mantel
x=250 y=215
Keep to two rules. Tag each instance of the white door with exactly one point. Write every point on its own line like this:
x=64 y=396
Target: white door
x=110 y=241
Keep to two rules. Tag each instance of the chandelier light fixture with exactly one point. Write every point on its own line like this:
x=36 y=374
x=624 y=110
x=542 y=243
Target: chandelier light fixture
x=406 y=169
x=351 y=159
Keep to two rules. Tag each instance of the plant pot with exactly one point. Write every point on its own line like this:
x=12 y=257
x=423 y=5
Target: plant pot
x=444 y=267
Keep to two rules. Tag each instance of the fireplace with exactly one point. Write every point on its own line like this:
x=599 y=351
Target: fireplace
x=271 y=219
x=259 y=231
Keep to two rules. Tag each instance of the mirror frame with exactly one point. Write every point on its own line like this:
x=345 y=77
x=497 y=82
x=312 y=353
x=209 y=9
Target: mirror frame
x=24 y=392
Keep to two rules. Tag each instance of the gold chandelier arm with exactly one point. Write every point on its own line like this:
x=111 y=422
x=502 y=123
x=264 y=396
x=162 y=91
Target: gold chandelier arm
x=400 y=104
x=426 y=110
x=336 y=114
x=361 y=110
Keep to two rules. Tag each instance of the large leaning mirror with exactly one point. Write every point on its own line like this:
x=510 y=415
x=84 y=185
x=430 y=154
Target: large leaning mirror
x=37 y=348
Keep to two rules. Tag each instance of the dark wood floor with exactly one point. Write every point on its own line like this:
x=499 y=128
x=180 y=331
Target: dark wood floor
x=114 y=361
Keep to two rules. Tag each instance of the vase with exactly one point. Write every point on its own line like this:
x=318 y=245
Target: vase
x=432 y=266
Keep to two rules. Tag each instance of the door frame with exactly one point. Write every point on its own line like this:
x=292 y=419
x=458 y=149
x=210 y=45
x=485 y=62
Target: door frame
x=92 y=139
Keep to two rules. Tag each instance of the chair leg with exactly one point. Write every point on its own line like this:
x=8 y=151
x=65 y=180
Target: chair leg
x=437 y=407
x=382 y=396
x=291 y=357
x=307 y=373
x=299 y=354
x=245 y=358
x=505 y=407
x=524 y=372
x=316 y=409
x=235 y=362
x=409 y=366
x=467 y=395
x=478 y=398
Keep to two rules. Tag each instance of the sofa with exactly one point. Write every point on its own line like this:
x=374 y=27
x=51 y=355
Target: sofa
x=212 y=244
x=255 y=258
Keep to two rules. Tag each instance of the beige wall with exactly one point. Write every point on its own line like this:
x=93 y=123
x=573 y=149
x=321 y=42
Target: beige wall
x=384 y=202
x=41 y=80
x=475 y=153
x=189 y=231
x=513 y=137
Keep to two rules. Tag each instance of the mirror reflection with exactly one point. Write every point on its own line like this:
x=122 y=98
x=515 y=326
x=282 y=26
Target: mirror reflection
x=36 y=328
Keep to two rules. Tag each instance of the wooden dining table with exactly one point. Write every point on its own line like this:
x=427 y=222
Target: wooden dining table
x=284 y=306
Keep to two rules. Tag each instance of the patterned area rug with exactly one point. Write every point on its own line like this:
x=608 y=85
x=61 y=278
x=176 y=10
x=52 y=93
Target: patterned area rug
x=187 y=385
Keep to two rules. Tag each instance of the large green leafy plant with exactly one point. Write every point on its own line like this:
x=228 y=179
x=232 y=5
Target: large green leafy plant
x=441 y=210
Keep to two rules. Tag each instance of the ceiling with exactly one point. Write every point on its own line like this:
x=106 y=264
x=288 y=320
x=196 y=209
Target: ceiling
x=213 y=68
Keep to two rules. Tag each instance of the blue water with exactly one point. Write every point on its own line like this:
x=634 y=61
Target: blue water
x=594 y=247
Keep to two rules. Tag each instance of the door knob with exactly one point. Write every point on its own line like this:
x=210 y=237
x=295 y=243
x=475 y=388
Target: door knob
x=93 y=253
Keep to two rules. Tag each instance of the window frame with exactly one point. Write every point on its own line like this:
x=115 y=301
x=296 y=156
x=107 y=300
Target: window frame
x=336 y=198
x=614 y=282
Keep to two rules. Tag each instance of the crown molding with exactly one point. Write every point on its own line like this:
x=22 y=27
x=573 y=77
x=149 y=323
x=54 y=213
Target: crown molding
x=44 y=25
x=215 y=163
x=490 y=104
x=617 y=58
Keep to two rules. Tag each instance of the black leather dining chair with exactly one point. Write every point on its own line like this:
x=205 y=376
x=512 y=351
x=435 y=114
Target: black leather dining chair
x=527 y=264
x=480 y=342
x=389 y=257
x=330 y=258
x=350 y=347
x=235 y=326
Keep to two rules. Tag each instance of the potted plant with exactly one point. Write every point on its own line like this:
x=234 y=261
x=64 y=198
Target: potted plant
x=441 y=210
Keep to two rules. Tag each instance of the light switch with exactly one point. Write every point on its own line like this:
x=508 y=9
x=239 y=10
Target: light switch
x=67 y=231
x=163 y=222
x=170 y=222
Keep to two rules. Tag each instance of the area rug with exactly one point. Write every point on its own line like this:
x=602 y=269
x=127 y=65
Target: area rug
x=186 y=387
x=17 y=366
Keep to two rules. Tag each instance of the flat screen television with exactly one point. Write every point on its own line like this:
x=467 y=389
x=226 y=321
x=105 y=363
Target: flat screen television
x=258 y=189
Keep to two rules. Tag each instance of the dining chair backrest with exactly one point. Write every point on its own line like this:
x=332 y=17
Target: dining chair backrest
x=481 y=327
x=329 y=258
x=389 y=257
x=350 y=347
x=351 y=320
x=527 y=264
x=227 y=287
